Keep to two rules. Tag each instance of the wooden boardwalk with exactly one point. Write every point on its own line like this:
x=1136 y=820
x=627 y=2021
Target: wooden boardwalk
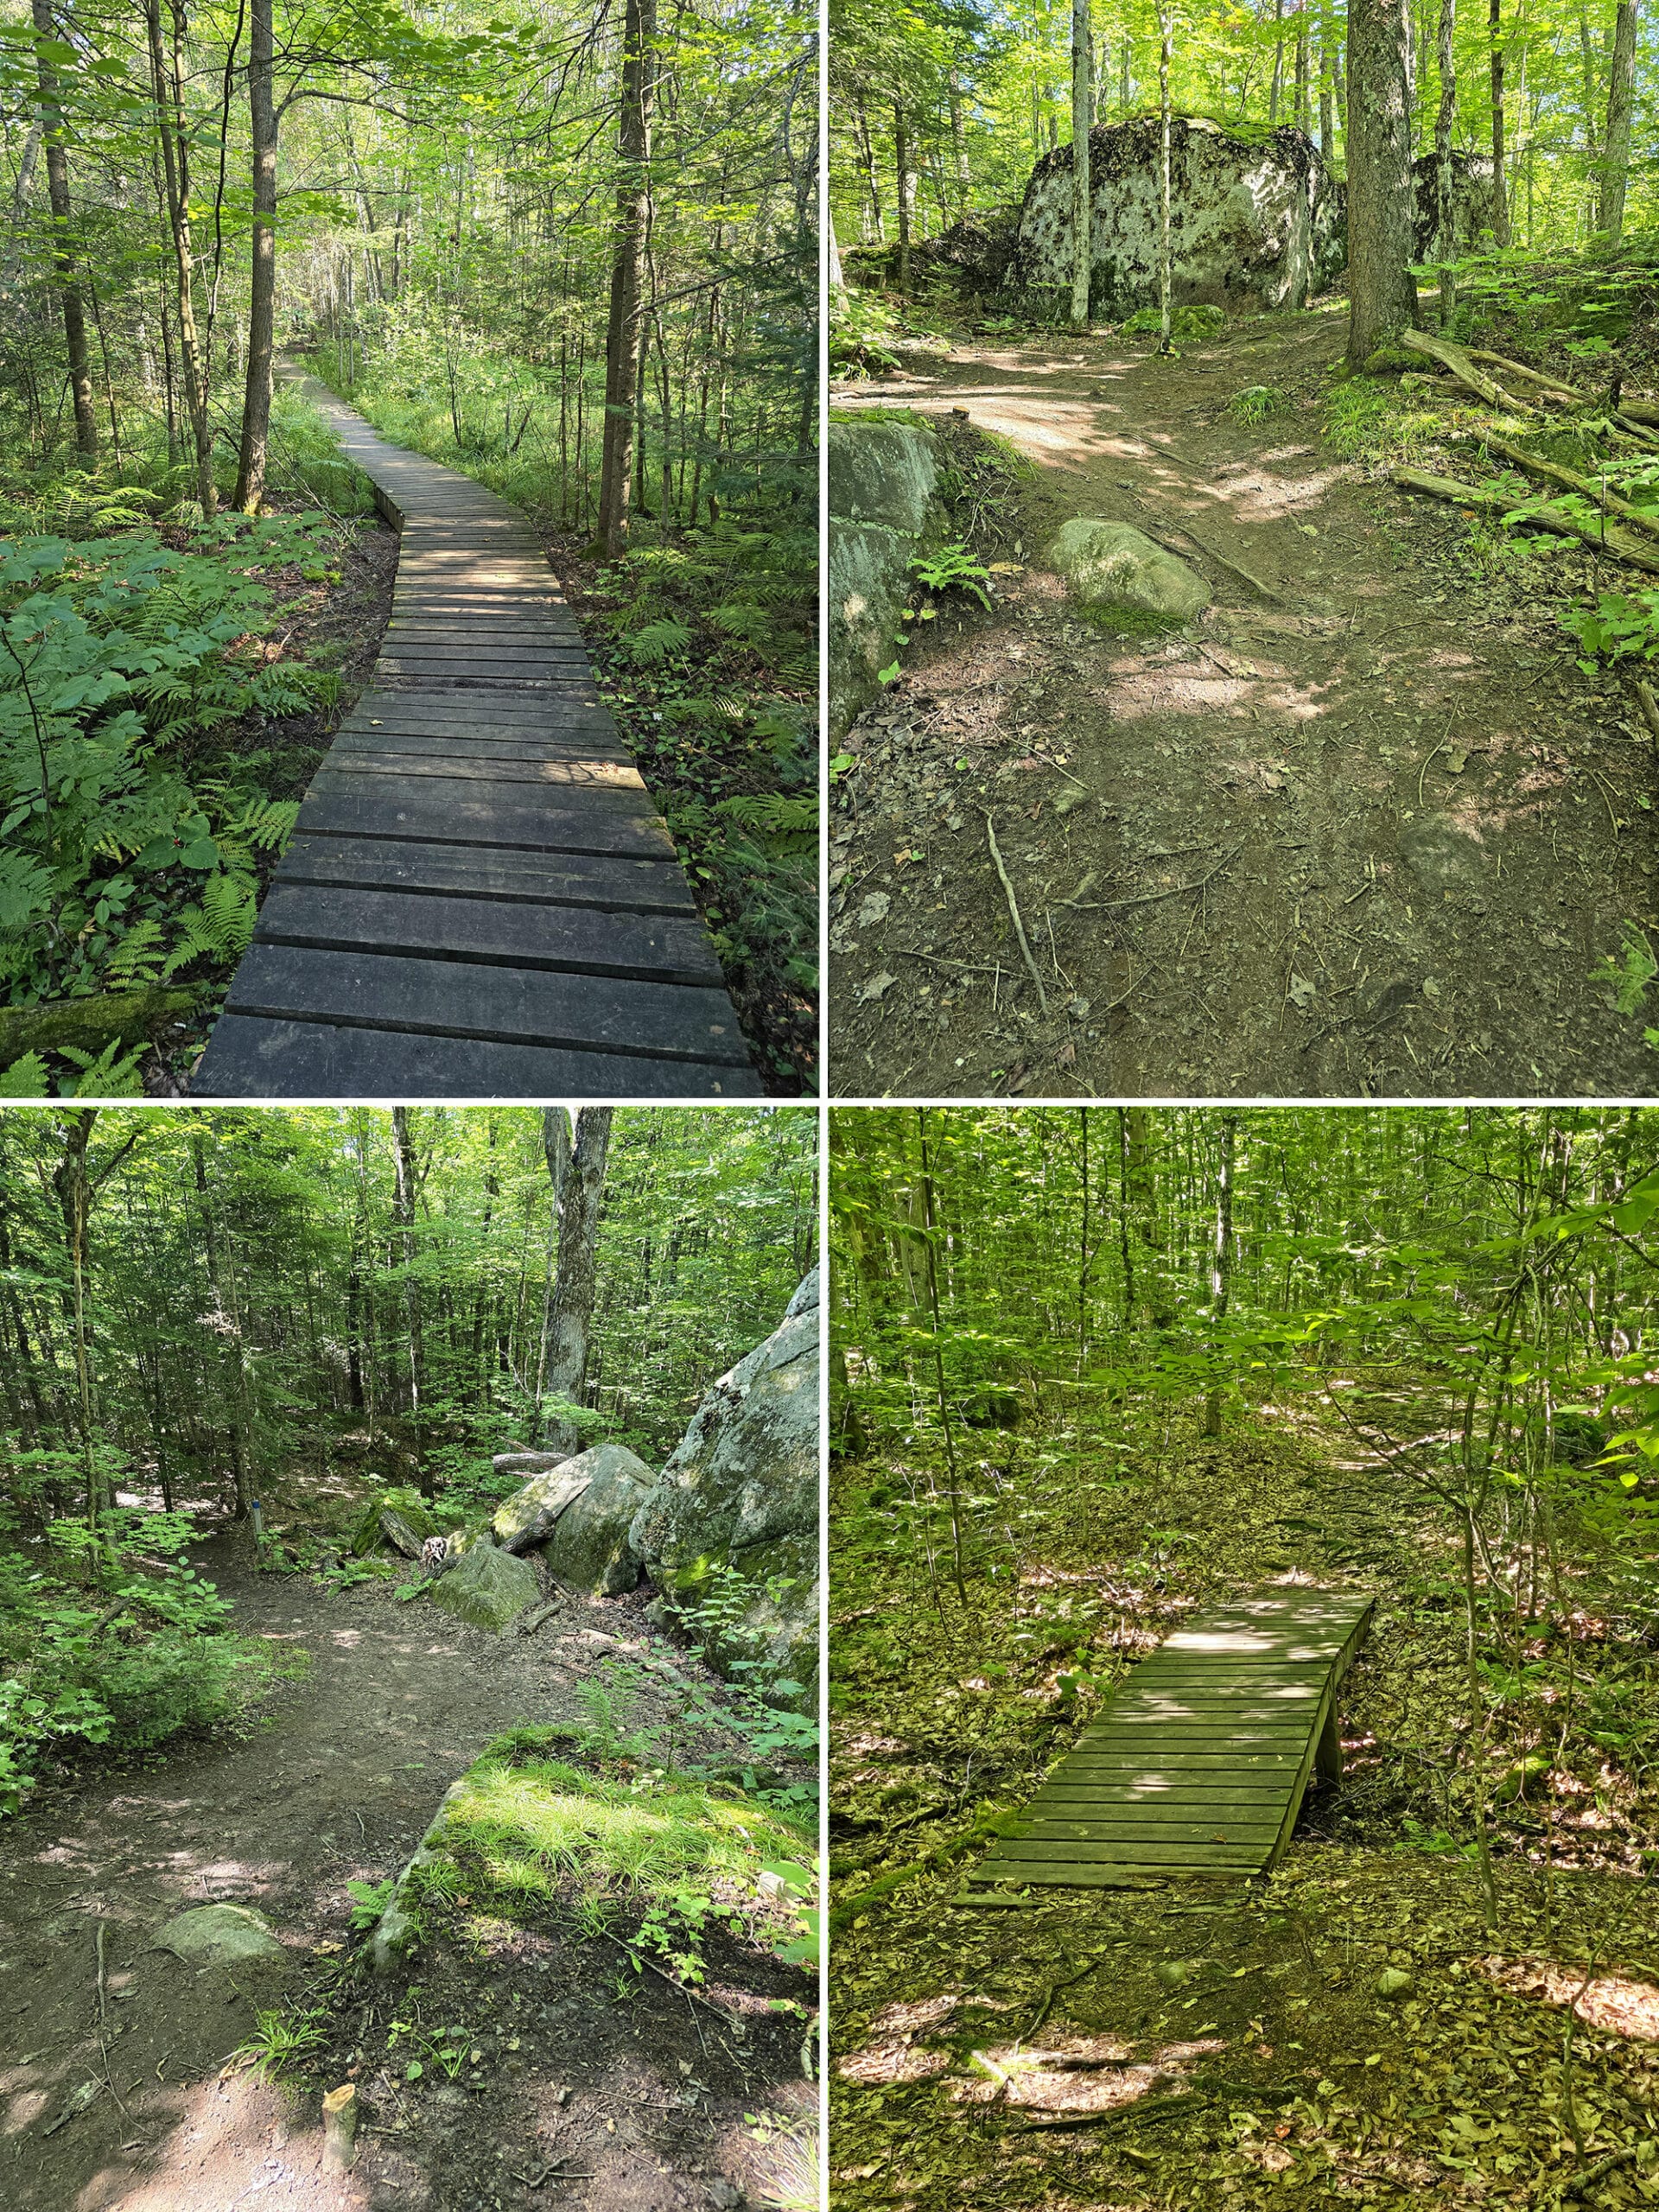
x=480 y=898
x=1200 y=1764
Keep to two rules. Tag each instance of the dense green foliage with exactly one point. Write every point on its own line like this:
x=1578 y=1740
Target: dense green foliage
x=245 y=1315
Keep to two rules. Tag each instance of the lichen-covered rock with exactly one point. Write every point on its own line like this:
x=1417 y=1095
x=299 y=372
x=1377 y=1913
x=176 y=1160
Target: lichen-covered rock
x=488 y=1586
x=550 y=1493
x=1471 y=201
x=1111 y=564
x=741 y=1493
x=884 y=508
x=218 y=1934
x=975 y=251
x=1255 y=221
x=405 y=1529
x=589 y=1548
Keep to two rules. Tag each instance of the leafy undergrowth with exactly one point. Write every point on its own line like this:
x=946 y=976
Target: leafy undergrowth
x=109 y=1639
x=703 y=643
x=155 y=705
x=1266 y=2055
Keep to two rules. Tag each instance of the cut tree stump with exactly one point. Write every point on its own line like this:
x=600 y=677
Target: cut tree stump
x=480 y=898
x=340 y=2126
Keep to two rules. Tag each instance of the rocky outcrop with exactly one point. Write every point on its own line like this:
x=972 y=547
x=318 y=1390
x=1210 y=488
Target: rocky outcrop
x=738 y=1504
x=488 y=1586
x=975 y=251
x=589 y=1548
x=1255 y=221
x=529 y=1514
x=884 y=509
x=1108 y=566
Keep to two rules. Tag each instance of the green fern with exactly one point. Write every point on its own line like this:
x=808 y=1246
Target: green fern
x=651 y=646
x=112 y=1074
x=751 y=624
x=26 y=1079
x=138 y=957
x=26 y=890
x=221 y=928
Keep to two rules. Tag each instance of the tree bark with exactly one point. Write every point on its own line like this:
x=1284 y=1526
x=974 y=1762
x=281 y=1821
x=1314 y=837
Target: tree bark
x=1500 y=185
x=405 y=1187
x=1621 y=92
x=905 y=180
x=627 y=321
x=580 y=1202
x=1082 y=212
x=262 y=296
x=1382 y=293
x=1446 y=115
x=167 y=88
x=63 y=258
x=1166 y=272
x=1221 y=1258
x=228 y=1328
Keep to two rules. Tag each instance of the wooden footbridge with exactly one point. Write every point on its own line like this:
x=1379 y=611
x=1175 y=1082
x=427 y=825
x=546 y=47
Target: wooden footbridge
x=1200 y=1765
x=480 y=898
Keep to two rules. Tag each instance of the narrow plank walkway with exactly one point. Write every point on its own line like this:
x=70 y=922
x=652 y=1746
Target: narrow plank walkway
x=1200 y=1765
x=480 y=898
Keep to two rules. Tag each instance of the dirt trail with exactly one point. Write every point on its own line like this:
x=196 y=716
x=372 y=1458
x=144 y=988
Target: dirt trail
x=1416 y=825
x=399 y=1700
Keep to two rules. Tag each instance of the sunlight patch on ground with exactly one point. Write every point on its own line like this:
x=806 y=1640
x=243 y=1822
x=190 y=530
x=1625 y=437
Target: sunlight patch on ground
x=1613 y=2002
x=1079 y=2074
x=348 y=1639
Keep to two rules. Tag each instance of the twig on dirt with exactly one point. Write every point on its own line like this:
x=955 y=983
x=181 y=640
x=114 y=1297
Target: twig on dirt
x=1607 y=798
x=1014 y=910
x=103 y=2008
x=719 y=2010
x=1071 y=1982
x=1059 y=771
x=1423 y=771
x=1151 y=897
x=1222 y=560
x=1603 y=2167
x=1089 y=881
x=973 y=967
x=1123 y=996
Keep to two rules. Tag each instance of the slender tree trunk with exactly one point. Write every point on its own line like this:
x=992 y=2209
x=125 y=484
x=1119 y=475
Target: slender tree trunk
x=405 y=1194
x=1277 y=88
x=228 y=1329
x=1300 y=115
x=1382 y=296
x=1446 y=115
x=1165 y=273
x=1327 y=90
x=626 y=328
x=905 y=180
x=1500 y=184
x=1082 y=206
x=1621 y=92
x=955 y=1494
x=167 y=91
x=261 y=296
x=63 y=258
x=1221 y=1258
x=959 y=148
x=580 y=1204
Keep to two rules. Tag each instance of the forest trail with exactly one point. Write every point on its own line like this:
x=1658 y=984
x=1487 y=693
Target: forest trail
x=1366 y=830
x=481 y=898
x=397 y=1701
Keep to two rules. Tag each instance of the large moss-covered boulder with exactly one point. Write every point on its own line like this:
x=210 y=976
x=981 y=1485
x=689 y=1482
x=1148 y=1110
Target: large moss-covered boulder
x=741 y=1494
x=218 y=1934
x=589 y=1548
x=540 y=1503
x=488 y=1586
x=1256 y=220
x=885 y=509
x=1111 y=566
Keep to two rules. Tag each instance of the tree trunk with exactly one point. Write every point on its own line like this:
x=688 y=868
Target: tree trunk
x=1446 y=115
x=1621 y=91
x=262 y=296
x=1299 y=114
x=580 y=1202
x=1277 y=88
x=959 y=147
x=405 y=1189
x=905 y=180
x=1327 y=90
x=1082 y=108
x=1221 y=1256
x=73 y=1189
x=63 y=259
x=626 y=328
x=167 y=86
x=1500 y=187
x=1382 y=296
x=228 y=1330
x=1166 y=274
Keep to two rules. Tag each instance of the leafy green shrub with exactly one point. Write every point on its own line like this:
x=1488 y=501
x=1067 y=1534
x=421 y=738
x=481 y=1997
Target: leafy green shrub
x=80 y=1663
x=1194 y=322
x=1254 y=404
x=952 y=568
x=118 y=865
x=1621 y=626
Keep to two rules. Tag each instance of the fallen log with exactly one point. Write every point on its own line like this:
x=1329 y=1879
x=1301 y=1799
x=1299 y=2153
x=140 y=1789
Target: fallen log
x=133 y=1017
x=527 y=1624
x=1568 y=394
x=1552 y=472
x=1457 y=359
x=1616 y=542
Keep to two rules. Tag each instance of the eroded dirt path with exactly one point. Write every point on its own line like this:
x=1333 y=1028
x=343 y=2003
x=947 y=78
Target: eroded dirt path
x=340 y=1786
x=1364 y=830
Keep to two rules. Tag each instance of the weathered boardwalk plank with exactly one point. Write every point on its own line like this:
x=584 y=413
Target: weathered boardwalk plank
x=1200 y=1764
x=480 y=898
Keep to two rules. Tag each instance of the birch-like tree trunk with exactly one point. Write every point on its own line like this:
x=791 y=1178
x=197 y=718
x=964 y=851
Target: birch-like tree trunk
x=1082 y=211
x=1166 y=272
x=63 y=256
x=262 y=294
x=1500 y=181
x=581 y=1200
x=627 y=319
